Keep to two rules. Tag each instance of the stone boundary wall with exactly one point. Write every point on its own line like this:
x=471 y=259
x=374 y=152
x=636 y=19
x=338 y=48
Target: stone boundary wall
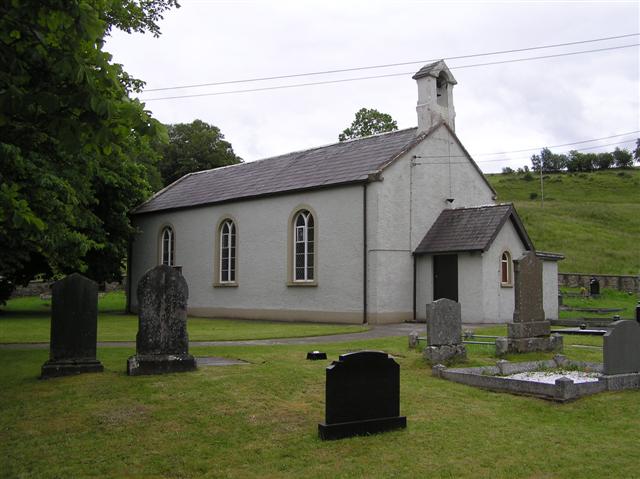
x=611 y=281
x=36 y=288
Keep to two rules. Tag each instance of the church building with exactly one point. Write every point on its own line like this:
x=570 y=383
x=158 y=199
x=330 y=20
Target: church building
x=362 y=231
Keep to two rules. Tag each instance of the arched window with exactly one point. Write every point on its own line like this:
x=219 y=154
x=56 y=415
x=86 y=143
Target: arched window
x=228 y=252
x=303 y=246
x=506 y=269
x=167 y=246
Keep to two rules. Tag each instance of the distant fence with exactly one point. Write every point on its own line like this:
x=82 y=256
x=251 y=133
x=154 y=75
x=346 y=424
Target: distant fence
x=612 y=281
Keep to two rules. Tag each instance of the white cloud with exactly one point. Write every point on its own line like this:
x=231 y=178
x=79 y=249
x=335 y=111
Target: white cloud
x=502 y=107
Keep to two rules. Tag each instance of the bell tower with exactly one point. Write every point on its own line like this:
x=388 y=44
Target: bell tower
x=435 y=95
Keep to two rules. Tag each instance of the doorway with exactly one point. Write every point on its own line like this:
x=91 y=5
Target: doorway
x=445 y=277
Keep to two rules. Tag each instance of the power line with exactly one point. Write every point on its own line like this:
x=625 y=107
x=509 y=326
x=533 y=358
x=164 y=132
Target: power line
x=503 y=159
x=343 y=80
x=388 y=65
x=561 y=145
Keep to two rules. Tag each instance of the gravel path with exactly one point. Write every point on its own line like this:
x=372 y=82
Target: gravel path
x=377 y=331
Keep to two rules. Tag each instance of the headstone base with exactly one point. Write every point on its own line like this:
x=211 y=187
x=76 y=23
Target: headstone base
x=445 y=354
x=69 y=367
x=551 y=343
x=360 y=428
x=140 y=365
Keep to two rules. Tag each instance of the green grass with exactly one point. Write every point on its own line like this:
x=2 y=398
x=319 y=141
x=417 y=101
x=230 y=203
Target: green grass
x=260 y=420
x=592 y=218
x=26 y=320
x=609 y=298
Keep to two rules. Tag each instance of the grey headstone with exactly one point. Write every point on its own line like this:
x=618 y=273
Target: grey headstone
x=528 y=289
x=74 y=327
x=413 y=339
x=162 y=343
x=621 y=348
x=444 y=323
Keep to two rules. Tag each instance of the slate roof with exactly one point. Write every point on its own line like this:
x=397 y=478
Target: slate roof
x=470 y=229
x=340 y=163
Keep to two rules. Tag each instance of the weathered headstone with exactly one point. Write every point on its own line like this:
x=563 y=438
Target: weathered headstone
x=362 y=396
x=529 y=331
x=74 y=326
x=444 y=332
x=162 y=343
x=621 y=348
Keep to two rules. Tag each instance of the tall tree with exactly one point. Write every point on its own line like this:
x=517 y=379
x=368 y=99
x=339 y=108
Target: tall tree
x=368 y=122
x=76 y=149
x=192 y=147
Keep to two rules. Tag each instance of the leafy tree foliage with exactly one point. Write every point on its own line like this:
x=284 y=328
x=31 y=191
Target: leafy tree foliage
x=368 y=122
x=76 y=151
x=193 y=147
x=550 y=162
x=576 y=161
x=636 y=151
x=622 y=158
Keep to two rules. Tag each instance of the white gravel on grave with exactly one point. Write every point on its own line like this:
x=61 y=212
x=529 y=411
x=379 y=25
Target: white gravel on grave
x=549 y=377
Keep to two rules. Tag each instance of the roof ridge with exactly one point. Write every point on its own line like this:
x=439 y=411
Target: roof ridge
x=476 y=207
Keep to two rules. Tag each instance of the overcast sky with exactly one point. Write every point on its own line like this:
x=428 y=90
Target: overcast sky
x=512 y=106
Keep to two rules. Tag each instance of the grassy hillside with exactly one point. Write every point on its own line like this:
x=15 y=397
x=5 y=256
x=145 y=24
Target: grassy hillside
x=591 y=218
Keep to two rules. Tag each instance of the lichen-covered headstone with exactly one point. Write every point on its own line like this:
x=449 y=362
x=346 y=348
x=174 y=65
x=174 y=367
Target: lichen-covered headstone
x=162 y=343
x=74 y=326
x=621 y=348
x=362 y=396
x=529 y=331
x=444 y=332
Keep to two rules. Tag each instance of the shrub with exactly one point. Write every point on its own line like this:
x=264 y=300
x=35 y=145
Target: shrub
x=533 y=195
x=528 y=176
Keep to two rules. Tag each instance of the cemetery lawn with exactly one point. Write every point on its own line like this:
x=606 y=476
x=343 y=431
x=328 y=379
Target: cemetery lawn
x=591 y=218
x=609 y=298
x=27 y=320
x=260 y=420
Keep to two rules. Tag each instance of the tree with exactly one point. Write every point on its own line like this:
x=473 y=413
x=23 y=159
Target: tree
x=76 y=151
x=368 y=122
x=551 y=162
x=636 y=151
x=622 y=158
x=604 y=161
x=193 y=147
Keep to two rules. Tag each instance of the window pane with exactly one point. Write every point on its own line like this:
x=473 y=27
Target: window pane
x=300 y=220
x=310 y=221
x=309 y=273
x=299 y=273
x=232 y=275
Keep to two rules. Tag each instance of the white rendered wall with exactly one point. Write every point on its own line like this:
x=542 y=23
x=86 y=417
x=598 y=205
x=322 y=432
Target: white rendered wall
x=262 y=225
x=403 y=207
x=499 y=300
x=550 y=289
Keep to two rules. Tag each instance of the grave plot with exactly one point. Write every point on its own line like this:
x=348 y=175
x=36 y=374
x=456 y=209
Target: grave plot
x=561 y=379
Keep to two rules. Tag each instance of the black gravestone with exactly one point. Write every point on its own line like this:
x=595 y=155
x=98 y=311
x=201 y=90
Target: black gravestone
x=74 y=326
x=162 y=343
x=362 y=396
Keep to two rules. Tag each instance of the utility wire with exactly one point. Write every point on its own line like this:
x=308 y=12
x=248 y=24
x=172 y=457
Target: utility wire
x=343 y=80
x=388 y=65
x=503 y=159
x=561 y=145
